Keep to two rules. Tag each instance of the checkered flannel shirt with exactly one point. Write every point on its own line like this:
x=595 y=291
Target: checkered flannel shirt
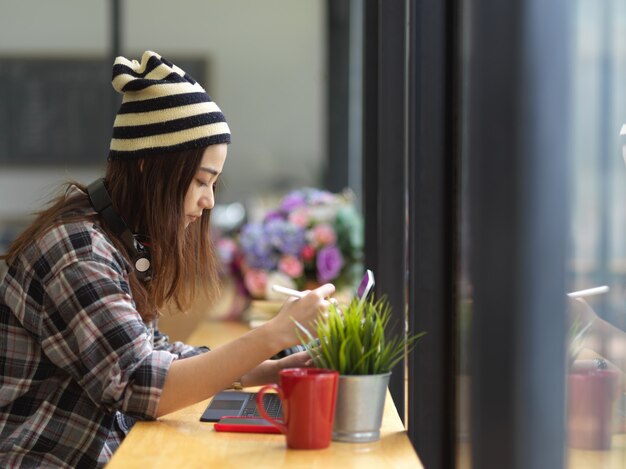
x=77 y=364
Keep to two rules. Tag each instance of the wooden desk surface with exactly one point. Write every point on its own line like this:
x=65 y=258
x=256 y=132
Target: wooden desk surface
x=180 y=440
x=615 y=458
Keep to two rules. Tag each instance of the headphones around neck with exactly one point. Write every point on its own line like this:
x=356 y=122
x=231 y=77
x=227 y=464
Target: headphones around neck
x=138 y=252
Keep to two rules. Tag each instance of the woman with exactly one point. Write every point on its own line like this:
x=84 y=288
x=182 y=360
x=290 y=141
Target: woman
x=81 y=356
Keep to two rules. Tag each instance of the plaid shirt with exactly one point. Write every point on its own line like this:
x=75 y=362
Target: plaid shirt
x=77 y=363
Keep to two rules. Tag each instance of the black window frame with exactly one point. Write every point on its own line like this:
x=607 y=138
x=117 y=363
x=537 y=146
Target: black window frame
x=409 y=186
x=515 y=159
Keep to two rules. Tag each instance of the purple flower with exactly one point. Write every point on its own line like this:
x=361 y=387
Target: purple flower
x=285 y=237
x=329 y=263
x=292 y=201
x=273 y=215
x=257 y=248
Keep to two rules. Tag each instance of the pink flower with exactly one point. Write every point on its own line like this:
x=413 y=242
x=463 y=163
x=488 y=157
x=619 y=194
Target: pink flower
x=307 y=253
x=300 y=217
x=324 y=234
x=255 y=281
x=291 y=266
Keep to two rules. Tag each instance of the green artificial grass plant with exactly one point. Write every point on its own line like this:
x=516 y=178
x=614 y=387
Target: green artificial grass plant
x=353 y=341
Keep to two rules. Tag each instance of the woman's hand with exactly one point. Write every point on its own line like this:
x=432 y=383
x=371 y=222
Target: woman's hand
x=267 y=372
x=304 y=310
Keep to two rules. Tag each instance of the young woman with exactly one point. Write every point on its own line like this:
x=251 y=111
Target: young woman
x=81 y=356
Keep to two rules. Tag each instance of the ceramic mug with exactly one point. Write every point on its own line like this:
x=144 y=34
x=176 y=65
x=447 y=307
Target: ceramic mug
x=308 y=398
x=592 y=394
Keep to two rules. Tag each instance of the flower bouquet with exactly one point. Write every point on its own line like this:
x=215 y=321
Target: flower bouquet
x=312 y=237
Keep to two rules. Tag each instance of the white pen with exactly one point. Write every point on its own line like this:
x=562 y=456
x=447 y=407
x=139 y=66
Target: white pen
x=589 y=292
x=288 y=291
x=296 y=293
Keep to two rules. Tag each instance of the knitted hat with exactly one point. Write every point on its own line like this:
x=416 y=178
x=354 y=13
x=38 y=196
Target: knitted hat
x=163 y=110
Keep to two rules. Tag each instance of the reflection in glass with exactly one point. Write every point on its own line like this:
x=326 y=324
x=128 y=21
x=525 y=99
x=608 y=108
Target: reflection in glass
x=597 y=346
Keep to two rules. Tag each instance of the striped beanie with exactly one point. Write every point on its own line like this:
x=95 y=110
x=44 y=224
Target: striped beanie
x=163 y=110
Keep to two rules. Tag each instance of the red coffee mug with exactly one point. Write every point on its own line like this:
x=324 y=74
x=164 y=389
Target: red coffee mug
x=308 y=396
x=592 y=394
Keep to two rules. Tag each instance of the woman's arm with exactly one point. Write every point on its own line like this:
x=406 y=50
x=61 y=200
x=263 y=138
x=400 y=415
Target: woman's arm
x=267 y=372
x=197 y=378
x=601 y=337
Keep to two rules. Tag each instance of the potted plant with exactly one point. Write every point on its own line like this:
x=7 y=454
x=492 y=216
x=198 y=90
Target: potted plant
x=355 y=342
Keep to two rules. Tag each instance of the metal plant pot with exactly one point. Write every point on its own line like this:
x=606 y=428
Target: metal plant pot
x=359 y=409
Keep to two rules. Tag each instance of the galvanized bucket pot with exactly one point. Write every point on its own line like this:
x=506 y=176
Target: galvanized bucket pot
x=359 y=409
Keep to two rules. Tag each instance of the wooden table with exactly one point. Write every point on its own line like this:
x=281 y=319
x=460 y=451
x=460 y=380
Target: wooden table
x=615 y=458
x=180 y=440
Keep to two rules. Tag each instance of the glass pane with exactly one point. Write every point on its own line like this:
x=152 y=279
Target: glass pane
x=595 y=396
x=597 y=346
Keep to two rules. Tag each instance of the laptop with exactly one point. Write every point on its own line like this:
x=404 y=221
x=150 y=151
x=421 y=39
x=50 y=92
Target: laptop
x=243 y=403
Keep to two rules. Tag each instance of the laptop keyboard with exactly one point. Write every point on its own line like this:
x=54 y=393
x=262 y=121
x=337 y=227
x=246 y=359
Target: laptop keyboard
x=272 y=404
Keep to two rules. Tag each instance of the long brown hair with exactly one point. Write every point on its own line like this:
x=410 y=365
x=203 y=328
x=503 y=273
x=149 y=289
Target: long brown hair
x=149 y=194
